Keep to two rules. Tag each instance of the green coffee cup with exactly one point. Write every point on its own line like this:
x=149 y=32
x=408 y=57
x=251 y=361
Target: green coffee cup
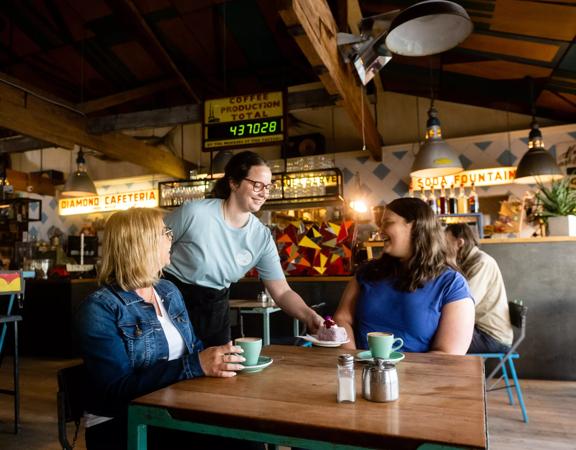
x=252 y=347
x=382 y=344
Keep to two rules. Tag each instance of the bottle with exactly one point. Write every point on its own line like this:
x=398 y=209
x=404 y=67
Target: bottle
x=452 y=202
x=442 y=201
x=462 y=200
x=473 y=205
x=432 y=201
x=423 y=195
x=346 y=383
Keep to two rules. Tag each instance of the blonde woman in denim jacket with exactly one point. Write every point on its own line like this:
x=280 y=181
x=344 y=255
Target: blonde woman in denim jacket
x=136 y=337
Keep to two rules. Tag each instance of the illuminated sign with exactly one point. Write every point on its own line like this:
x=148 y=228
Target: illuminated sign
x=480 y=177
x=108 y=202
x=256 y=119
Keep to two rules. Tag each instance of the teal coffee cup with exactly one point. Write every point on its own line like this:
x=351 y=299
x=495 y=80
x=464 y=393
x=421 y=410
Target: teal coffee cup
x=252 y=347
x=382 y=344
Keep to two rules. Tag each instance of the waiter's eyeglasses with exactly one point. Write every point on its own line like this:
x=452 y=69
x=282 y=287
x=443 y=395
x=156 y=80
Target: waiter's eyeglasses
x=258 y=185
x=167 y=231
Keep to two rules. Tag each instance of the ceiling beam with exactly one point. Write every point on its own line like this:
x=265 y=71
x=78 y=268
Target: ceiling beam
x=178 y=115
x=128 y=10
x=19 y=144
x=34 y=116
x=319 y=45
x=119 y=98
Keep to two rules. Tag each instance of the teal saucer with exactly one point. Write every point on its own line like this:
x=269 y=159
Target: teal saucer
x=366 y=355
x=263 y=362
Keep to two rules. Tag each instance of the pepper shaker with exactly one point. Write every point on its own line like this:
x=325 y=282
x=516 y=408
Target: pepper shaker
x=346 y=383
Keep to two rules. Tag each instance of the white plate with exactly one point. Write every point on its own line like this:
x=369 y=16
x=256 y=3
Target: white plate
x=314 y=339
x=263 y=362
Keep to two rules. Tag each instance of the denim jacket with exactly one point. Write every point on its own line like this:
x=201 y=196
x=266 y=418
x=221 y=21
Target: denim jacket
x=125 y=349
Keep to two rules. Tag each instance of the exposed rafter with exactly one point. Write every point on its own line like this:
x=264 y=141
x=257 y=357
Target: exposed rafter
x=18 y=144
x=100 y=104
x=319 y=45
x=45 y=121
x=128 y=10
x=165 y=117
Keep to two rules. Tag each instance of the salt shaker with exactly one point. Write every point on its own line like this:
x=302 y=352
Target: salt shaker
x=346 y=383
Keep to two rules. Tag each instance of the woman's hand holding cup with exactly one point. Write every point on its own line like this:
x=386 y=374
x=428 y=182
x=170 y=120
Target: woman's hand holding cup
x=221 y=361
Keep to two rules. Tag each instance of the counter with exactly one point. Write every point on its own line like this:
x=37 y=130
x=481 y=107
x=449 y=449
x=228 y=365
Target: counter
x=539 y=271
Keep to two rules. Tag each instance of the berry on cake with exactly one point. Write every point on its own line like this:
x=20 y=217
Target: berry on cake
x=329 y=331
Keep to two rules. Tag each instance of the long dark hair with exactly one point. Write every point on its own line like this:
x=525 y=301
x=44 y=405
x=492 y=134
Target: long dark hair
x=236 y=170
x=464 y=232
x=430 y=256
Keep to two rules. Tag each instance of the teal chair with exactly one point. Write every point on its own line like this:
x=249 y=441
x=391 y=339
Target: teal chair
x=506 y=360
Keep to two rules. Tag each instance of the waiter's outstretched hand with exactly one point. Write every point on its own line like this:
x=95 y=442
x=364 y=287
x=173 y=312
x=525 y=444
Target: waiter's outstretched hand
x=221 y=361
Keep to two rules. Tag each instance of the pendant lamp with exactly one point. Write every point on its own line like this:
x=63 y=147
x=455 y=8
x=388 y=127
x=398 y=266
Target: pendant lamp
x=435 y=157
x=428 y=28
x=79 y=183
x=537 y=165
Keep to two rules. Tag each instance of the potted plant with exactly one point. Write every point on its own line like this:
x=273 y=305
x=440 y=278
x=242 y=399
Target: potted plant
x=557 y=205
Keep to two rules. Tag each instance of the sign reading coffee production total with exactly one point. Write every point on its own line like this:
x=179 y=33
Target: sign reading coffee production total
x=108 y=202
x=480 y=177
x=243 y=120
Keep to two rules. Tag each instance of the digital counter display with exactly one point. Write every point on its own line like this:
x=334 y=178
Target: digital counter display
x=246 y=120
x=247 y=128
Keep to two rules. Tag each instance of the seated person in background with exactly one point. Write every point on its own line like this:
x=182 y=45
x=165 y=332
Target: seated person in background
x=493 y=330
x=135 y=335
x=413 y=290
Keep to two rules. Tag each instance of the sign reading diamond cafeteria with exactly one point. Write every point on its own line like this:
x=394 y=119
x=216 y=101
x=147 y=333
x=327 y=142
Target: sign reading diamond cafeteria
x=108 y=202
x=480 y=177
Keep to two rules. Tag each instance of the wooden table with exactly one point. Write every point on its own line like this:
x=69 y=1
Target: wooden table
x=265 y=309
x=293 y=402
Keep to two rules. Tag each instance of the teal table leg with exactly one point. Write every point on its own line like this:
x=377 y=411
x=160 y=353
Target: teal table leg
x=137 y=429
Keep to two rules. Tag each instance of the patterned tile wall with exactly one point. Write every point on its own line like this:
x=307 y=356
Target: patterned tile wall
x=381 y=181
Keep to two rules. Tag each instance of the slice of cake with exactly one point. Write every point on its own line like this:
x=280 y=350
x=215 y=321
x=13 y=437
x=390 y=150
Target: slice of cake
x=329 y=331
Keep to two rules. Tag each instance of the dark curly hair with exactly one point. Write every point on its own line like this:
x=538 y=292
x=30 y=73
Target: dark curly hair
x=236 y=170
x=430 y=255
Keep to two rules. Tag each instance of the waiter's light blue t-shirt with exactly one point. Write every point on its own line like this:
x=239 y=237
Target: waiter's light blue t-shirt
x=413 y=316
x=209 y=252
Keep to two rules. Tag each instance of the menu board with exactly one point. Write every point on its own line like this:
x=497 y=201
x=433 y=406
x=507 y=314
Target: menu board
x=243 y=120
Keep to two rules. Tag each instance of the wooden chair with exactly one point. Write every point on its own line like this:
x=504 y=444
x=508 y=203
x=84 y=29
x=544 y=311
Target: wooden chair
x=518 y=318
x=70 y=402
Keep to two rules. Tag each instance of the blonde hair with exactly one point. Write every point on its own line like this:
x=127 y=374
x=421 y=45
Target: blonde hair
x=131 y=248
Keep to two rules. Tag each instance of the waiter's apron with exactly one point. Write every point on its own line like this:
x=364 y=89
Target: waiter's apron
x=209 y=311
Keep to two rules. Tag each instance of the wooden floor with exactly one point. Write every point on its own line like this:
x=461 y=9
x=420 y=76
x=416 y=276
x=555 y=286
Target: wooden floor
x=551 y=406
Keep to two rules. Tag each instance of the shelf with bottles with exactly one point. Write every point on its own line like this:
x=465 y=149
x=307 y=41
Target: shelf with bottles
x=451 y=200
x=306 y=189
x=20 y=210
x=175 y=193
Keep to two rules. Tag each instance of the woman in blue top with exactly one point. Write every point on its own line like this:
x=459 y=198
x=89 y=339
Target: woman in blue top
x=413 y=290
x=135 y=335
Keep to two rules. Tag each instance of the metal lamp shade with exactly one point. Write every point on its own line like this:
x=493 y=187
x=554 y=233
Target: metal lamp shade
x=436 y=159
x=428 y=28
x=537 y=166
x=79 y=184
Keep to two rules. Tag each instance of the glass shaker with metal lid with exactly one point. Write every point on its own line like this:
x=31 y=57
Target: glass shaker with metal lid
x=380 y=381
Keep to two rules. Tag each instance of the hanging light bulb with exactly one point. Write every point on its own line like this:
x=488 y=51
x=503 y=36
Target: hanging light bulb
x=435 y=157
x=358 y=202
x=79 y=183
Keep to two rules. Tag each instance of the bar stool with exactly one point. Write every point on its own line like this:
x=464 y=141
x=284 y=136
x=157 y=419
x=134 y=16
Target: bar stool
x=12 y=284
x=15 y=391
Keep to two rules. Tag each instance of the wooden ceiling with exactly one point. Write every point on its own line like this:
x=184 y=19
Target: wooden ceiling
x=101 y=58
